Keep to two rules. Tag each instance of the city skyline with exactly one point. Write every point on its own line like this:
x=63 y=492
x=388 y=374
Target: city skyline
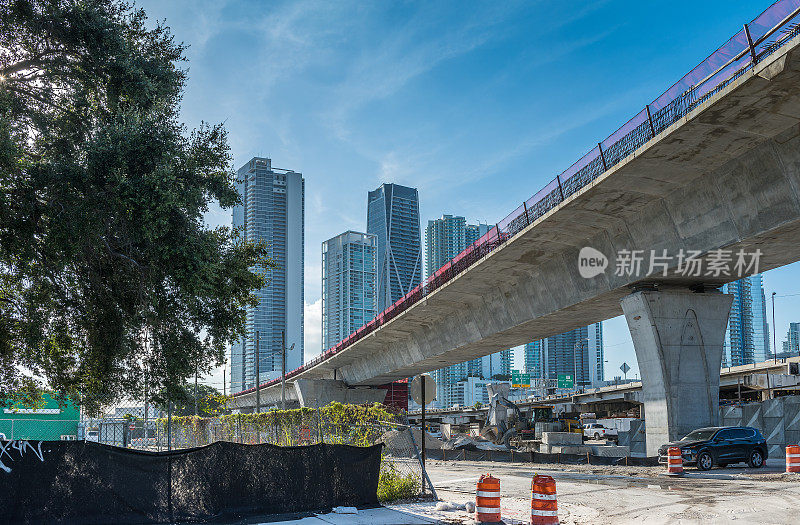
x=401 y=112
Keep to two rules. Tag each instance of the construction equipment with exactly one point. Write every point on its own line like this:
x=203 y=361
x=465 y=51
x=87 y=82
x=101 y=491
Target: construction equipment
x=500 y=428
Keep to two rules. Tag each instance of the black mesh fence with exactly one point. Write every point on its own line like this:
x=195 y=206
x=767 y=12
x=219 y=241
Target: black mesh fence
x=156 y=430
x=83 y=482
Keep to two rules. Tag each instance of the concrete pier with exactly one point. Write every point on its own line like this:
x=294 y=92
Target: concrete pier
x=678 y=337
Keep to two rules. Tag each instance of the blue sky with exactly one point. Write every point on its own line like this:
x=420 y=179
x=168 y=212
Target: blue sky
x=477 y=104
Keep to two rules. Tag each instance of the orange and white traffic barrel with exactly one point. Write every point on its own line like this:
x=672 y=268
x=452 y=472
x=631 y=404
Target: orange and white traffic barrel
x=674 y=462
x=544 y=508
x=487 y=500
x=792 y=458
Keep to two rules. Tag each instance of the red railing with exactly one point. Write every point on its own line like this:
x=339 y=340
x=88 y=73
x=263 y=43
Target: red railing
x=748 y=47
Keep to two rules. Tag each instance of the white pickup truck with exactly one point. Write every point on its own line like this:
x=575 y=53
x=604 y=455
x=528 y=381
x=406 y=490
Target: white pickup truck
x=598 y=431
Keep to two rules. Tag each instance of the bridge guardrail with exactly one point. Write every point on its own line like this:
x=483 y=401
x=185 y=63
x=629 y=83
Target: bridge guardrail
x=742 y=51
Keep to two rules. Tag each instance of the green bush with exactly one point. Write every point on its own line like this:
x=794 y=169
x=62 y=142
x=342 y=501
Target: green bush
x=394 y=485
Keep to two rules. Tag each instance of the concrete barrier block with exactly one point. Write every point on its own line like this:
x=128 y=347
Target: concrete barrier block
x=776 y=451
x=791 y=437
x=610 y=451
x=730 y=413
x=751 y=415
x=571 y=449
x=791 y=416
x=562 y=438
x=773 y=431
x=772 y=408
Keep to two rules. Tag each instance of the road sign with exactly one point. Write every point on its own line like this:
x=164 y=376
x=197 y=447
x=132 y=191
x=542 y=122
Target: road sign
x=624 y=368
x=415 y=388
x=519 y=380
x=565 y=381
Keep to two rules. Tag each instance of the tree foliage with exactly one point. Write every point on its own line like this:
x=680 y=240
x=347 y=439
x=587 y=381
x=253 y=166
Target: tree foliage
x=210 y=401
x=109 y=279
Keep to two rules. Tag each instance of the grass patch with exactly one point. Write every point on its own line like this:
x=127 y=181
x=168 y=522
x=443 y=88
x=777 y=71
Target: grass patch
x=394 y=485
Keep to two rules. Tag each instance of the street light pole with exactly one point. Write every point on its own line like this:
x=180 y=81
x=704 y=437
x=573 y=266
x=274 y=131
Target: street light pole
x=258 y=374
x=283 y=370
x=774 y=331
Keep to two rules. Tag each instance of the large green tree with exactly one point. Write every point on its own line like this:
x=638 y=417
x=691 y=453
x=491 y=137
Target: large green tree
x=110 y=282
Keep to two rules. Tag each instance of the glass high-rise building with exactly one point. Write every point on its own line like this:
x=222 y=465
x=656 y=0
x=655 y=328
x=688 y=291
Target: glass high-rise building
x=272 y=211
x=445 y=238
x=450 y=379
x=747 y=337
x=578 y=352
x=393 y=217
x=349 y=274
x=533 y=359
x=791 y=346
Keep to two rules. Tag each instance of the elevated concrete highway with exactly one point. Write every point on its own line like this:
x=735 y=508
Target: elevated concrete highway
x=724 y=176
x=760 y=379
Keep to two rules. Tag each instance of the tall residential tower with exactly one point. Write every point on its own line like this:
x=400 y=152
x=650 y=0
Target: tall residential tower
x=348 y=285
x=578 y=352
x=272 y=212
x=393 y=217
x=747 y=338
x=445 y=238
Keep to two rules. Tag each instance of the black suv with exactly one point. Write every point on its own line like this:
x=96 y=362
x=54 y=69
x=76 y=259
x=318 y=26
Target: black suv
x=720 y=446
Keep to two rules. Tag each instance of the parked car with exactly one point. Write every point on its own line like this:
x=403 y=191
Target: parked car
x=598 y=431
x=720 y=446
x=93 y=435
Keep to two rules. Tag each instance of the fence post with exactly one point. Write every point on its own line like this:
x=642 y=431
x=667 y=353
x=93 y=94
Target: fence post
x=560 y=189
x=750 y=44
x=650 y=120
x=602 y=157
x=527 y=220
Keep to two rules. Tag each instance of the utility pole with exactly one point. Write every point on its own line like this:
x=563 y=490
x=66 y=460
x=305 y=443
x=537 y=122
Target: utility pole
x=169 y=426
x=283 y=368
x=195 y=390
x=225 y=379
x=774 y=331
x=422 y=383
x=258 y=358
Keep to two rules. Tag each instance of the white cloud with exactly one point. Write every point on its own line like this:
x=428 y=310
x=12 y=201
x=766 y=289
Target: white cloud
x=312 y=328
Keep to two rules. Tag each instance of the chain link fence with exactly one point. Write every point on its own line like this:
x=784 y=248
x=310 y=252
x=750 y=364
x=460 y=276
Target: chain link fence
x=154 y=429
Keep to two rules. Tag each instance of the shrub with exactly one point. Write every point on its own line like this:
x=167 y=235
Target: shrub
x=394 y=485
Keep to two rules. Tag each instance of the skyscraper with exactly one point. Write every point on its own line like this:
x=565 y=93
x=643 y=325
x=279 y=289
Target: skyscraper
x=747 y=337
x=791 y=346
x=445 y=238
x=272 y=211
x=533 y=359
x=578 y=352
x=393 y=217
x=450 y=380
x=348 y=285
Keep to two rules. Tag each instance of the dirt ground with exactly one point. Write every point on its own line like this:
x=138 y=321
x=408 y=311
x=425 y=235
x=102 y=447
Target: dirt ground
x=590 y=494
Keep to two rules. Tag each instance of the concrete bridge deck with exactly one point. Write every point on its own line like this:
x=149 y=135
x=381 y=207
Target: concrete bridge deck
x=727 y=175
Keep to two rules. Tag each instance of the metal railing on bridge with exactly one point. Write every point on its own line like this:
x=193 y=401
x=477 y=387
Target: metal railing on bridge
x=744 y=50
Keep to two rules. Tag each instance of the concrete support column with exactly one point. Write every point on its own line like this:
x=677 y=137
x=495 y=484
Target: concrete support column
x=314 y=393
x=678 y=336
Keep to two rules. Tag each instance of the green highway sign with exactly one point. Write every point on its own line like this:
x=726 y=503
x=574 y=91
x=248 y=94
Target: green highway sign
x=520 y=380
x=565 y=381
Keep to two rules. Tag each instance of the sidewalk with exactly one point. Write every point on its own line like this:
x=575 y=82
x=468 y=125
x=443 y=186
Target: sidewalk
x=379 y=516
